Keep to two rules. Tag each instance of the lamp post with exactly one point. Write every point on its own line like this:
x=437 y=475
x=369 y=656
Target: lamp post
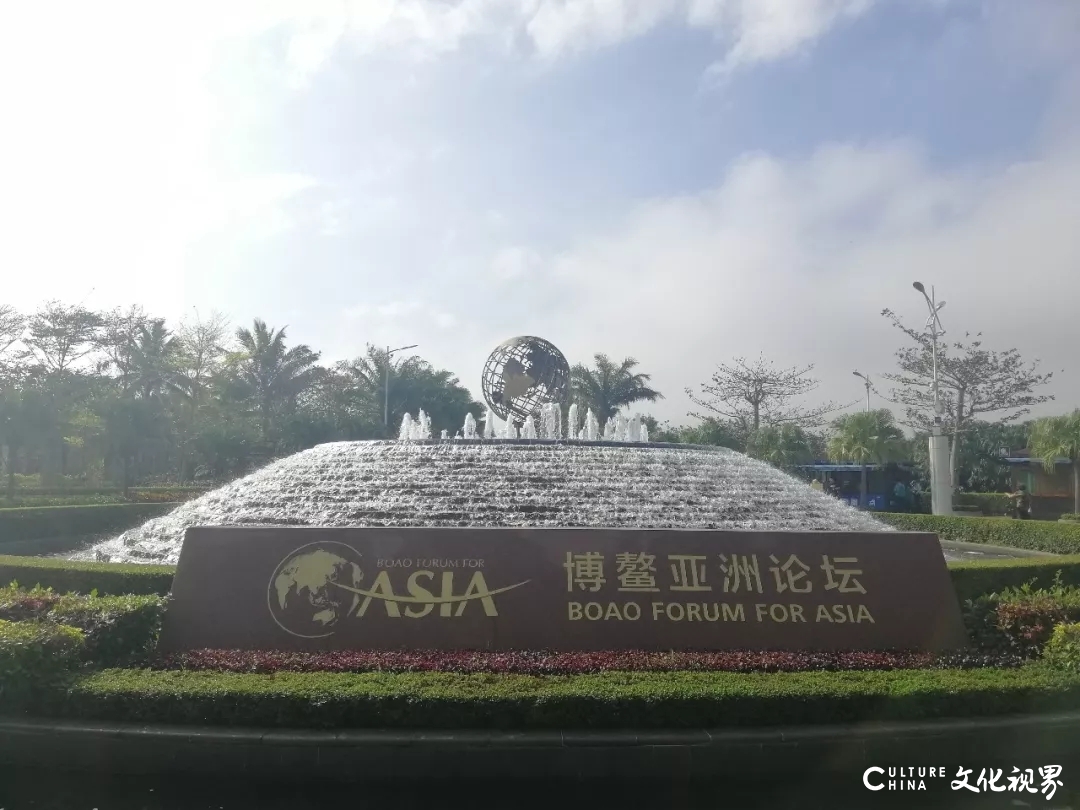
x=386 y=384
x=866 y=382
x=940 y=474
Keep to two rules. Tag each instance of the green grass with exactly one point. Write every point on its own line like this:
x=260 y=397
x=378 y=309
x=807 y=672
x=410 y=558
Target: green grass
x=607 y=700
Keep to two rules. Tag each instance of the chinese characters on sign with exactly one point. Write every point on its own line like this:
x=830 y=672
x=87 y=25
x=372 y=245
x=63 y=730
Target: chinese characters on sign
x=732 y=574
x=299 y=588
x=689 y=572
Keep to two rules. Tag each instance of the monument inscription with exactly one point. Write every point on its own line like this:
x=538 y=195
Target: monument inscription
x=559 y=589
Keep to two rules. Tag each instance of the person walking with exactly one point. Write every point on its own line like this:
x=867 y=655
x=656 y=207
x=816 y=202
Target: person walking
x=900 y=497
x=1021 y=503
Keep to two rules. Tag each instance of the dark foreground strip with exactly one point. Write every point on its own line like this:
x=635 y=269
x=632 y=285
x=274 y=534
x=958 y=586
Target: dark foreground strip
x=382 y=756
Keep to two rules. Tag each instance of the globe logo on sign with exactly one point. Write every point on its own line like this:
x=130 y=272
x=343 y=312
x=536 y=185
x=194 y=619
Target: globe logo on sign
x=303 y=593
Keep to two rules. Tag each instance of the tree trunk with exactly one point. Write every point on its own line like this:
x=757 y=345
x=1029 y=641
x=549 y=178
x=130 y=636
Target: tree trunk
x=127 y=477
x=1076 y=486
x=863 y=488
x=958 y=424
x=11 y=473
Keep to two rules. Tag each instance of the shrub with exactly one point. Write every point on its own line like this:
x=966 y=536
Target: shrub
x=973 y=579
x=540 y=662
x=988 y=503
x=119 y=630
x=1063 y=649
x=1037 y=535
x=1070 y=517
x=1020 y=620
x=601 y=700
x=36 y=522
x=34 y=657
x=67 y=576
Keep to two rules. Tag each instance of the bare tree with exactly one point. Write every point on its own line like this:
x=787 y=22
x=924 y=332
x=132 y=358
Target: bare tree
x=61 y=335
x=973 y=383
x=202 y=352
x=11 y=327
x=760 y=393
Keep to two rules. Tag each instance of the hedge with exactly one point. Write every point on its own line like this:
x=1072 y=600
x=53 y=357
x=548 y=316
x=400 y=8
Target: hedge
x=22 y=524
x=975 y=578
x=605 y=700
x=1036 y=535
x=34 y=657
x=989 y=503
x=65 y=576
x=971 y=579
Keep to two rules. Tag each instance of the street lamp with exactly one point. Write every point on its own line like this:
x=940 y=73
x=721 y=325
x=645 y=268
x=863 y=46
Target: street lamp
x=866 y=382
x=940 y=475
x=386 y=385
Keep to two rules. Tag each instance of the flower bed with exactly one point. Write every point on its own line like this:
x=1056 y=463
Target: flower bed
x=539 y=662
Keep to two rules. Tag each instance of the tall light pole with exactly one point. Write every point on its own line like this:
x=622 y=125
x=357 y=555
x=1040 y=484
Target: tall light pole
x=386 y=383
x=940 y=475
x=866 y=382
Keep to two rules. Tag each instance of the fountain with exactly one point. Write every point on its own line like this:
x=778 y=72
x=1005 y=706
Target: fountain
x=500 y=482
x=609 y=476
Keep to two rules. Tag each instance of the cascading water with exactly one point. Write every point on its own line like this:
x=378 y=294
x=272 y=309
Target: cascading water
x=499 y=483
x=470 y=426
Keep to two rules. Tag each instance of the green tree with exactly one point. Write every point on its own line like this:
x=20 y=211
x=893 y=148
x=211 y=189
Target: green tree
x=1059 y=437
x=273 y=375
x=607 y=387
x=866 y=437
x=154 y=358
x=414 y=384
x=784 y=446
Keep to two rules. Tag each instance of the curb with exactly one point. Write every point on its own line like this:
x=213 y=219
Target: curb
x=381 y=755
x=1004 y=551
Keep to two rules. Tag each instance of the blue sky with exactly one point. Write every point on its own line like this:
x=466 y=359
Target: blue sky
x=683 y=181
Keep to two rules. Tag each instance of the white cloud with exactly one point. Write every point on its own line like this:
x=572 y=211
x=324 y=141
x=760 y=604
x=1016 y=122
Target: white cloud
x=513 y=263
x=796 y=259
x=749 y=30
x=764 y=30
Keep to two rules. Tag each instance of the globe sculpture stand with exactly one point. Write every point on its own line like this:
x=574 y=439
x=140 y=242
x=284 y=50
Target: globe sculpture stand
x=521 y=375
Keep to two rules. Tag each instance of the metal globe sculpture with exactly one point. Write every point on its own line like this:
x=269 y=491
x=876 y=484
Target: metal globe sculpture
x=522 y=374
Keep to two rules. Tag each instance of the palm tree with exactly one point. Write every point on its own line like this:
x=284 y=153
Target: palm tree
x=153 y=355
x=867 y=437
x=784 y=446
x=1059 y=437
x=608 y=386
x=273 y=374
